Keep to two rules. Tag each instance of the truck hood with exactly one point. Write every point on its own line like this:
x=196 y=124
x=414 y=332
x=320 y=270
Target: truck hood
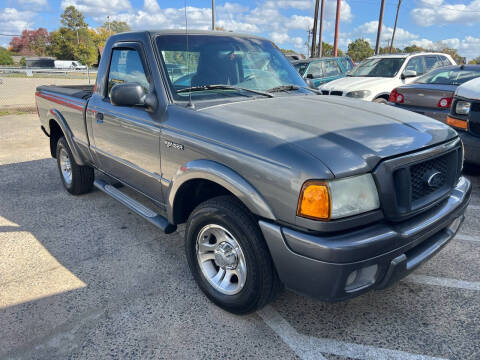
x=351 y=83
x=348 y=136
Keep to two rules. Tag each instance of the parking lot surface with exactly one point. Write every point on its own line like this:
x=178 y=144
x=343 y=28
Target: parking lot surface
x=83 y=277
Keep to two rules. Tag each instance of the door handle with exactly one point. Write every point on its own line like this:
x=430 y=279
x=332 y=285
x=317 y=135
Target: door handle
x=99 y=117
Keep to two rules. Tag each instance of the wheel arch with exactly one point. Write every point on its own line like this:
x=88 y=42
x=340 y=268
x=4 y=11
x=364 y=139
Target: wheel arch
x=58 y=128
x=217 y=177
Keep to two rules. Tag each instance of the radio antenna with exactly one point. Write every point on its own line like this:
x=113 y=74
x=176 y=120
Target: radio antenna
x=190 y=103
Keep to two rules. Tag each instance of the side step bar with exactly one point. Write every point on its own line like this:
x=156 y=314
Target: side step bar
x=148 y=214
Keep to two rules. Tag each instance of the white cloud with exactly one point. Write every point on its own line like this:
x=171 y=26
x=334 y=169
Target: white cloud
x=440 y=12
x=99 y=8
x=32 y=3
x=13 y=21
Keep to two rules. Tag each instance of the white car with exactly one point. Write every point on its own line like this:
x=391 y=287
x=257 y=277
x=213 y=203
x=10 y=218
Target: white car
x=374 y=78
x=69 y=64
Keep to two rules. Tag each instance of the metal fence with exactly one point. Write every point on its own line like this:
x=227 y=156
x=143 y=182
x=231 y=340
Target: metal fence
x=18 y=84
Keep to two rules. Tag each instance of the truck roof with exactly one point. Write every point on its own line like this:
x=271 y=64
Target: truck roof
x=190 y=32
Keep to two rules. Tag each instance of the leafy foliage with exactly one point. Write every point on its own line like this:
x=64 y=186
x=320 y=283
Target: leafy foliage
x=413 y=48
x=72 y=18
x=115 y=27
x=5 y=58
x=475 y=61
x=359 y=49
x=327 y=50
x=31 y=42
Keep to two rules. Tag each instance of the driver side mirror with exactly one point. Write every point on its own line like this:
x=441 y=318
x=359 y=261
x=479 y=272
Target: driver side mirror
x=409 y=74
x=132 y=94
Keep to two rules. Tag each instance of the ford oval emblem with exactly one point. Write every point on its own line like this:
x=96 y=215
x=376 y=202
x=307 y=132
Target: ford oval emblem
x=434 y=178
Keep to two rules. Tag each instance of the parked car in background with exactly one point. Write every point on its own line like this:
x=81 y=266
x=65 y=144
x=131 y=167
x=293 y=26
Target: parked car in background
x=323 y=70
x=294 y=57
x=464 y=116
x=69 y=64
x=432 y=93
x=374 y=78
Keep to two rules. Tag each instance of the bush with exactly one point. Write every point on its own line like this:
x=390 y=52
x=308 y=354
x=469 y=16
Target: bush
x=5 y=58
x=23 y=62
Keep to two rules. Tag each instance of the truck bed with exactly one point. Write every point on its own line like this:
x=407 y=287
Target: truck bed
x=78 y=91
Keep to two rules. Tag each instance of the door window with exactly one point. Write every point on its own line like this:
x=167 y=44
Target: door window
x=315 y=70
x=126 y=67
x=415 y=64
x=347 y=64
x=331 y=68
x=432 y=62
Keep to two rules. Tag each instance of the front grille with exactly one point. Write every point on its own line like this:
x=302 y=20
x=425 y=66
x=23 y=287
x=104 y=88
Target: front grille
x=413 y=183
x=325 y=92
x=474 y=119
x=435 y=169
x=337 y=93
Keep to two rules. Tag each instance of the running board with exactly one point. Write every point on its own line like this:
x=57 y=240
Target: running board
x=148 y=214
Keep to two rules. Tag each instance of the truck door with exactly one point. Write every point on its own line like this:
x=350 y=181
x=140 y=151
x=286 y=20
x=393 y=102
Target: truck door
x=127 y=138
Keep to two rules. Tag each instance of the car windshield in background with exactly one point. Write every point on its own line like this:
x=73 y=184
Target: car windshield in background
x=301 y=67
x=242 y=63
x=449 y=76
x=378 y=67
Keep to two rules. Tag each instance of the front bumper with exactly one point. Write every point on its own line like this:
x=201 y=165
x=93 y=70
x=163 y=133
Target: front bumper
x=322 y=266
x=471 y=145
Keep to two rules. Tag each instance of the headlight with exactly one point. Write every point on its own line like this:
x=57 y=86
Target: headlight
x=462 y=107
x=359 y=94
x=324 y=200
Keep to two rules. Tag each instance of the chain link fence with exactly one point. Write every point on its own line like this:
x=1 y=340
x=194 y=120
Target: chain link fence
x=18 y=85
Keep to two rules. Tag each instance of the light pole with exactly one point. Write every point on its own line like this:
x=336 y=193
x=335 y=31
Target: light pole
x=314 y=35
x=379 y=31
x=395 y=26
x=213 y=15
x=320 y=33
x=337 y=25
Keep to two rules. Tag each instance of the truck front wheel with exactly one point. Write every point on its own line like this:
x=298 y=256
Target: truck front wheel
x=75 y=178
x=228 y=256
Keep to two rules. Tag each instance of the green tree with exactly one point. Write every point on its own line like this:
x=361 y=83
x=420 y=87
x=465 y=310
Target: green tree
x=5 y=58
x=359 y=49
x=22 y=62
x=72 y=18
x=475 y=61
x=413 y=48
x=386 y=50
x=115 y=27
x=327 y=50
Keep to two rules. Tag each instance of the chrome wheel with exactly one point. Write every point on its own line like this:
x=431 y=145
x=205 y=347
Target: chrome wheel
x=221 y=259
x=65 y=166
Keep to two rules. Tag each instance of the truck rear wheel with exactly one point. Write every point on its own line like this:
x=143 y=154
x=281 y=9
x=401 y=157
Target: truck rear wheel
x=75 y=178
x=228 y=256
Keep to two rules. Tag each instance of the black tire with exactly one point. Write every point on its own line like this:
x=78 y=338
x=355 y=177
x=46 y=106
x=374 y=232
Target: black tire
x=262 y=283
x=380 y=101
x=81 y=176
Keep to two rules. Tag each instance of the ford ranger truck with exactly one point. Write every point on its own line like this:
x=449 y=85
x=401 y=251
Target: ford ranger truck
x=278 y=186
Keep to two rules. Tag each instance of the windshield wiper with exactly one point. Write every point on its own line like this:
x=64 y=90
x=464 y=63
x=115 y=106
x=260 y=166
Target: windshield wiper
x=223 y=87
x=290 y=88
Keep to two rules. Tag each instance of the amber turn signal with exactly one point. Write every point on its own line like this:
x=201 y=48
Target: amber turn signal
x=461 y=124
x=314 y=201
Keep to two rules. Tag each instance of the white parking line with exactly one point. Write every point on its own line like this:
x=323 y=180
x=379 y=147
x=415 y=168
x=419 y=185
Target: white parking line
x=309 y=347
x=445 y=282
x=467 y=237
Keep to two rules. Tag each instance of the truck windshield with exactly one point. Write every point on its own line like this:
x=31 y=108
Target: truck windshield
x=378 y=67
x=240 y=62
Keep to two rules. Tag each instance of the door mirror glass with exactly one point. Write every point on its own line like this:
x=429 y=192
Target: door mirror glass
x=409 y=74
x=129 y=94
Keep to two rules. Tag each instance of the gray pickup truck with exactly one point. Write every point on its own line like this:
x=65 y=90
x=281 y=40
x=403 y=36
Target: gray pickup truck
x=278 y=186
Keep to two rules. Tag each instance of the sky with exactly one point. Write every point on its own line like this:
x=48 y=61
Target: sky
x=424 y=23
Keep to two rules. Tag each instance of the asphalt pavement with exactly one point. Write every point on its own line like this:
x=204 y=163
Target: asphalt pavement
x=84 y=277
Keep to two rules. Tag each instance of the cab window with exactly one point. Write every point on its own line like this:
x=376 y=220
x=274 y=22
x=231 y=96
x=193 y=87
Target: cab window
x=126 y=67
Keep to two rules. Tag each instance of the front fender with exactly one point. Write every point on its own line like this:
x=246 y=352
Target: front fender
x=68 y=136
x=224 y=176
